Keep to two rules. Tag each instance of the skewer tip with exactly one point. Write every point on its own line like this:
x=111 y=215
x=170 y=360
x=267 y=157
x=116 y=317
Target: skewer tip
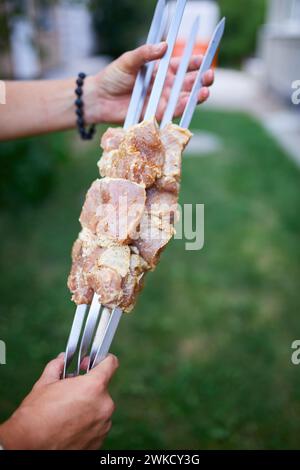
x=220 y=27
x=223 y=22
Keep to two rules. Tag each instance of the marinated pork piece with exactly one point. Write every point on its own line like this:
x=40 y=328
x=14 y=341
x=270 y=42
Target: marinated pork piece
x=157 y=225
x=113 y=272
x=107 y=283
x=162 y=204
x=82 y=292
x=139 y=156
x=113 y=209
x=174 y=139
x=133 y=282
x=112 y=138
x=153 y=237
x=128 y=216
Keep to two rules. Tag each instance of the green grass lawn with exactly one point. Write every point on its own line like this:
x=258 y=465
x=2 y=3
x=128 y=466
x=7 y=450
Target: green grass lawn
x=205 y=357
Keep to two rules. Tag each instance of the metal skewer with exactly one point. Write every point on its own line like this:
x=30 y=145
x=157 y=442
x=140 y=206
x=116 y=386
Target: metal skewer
x=162 y=71
x=150 y=69
x=100 y=333
x=185 y=121
x=153 y=37
x=160 y=79
x=74 y=336
x=205 y=66
x=108 y=336
x=176 y=89
x=164 y=63
x=108 y=323
x=89 y=329
x=137 y=99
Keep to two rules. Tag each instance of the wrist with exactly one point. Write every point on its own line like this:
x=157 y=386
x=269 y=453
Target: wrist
x=92 y=111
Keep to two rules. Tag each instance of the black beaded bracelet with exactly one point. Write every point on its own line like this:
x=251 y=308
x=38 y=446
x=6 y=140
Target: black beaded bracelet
x=86 y=134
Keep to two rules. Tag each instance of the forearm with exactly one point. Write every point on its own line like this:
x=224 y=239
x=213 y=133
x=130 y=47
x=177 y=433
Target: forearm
x=39 y=107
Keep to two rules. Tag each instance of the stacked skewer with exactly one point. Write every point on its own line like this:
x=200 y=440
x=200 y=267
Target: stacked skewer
x=92 y=331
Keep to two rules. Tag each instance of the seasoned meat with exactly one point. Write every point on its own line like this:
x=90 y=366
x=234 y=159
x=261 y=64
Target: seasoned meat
x=133 y=282
x=128 y=216
x=157 y=225
x=112 y=138
x=162 y=204
x=114 y=273
x=98 y=269
x=153 y=237
x=174 y=139
x=113 y=209
x=106 y=282
x=82 y=292
x=139 y=157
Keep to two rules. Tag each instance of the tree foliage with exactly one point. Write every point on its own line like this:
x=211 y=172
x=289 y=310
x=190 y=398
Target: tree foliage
x=120 y=25
x=243 y=22
x=29 y=169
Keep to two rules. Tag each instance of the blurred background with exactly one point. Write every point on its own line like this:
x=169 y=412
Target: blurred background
x=206 y=355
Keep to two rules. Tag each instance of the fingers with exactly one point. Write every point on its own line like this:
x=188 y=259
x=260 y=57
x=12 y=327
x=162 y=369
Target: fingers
x=208 y=78
x=203 y=95
x=84 y=363
x=53 y=371
x=182 y=102
x=194 y=63
x=207 y=81
x=132 y=61
x=189 y=81
x=105 y=370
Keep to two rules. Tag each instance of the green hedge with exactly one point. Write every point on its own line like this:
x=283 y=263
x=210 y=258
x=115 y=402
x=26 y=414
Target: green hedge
x=243 y=22
x=29 y=168
x=121 y=25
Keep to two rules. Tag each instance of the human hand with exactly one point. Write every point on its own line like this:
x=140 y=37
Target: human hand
x=107 y=94
x=73 y=413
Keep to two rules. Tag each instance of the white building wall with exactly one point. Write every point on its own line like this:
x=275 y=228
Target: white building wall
x=74 y=28
x=25 y=61
x=209 y=14
x=280 y=45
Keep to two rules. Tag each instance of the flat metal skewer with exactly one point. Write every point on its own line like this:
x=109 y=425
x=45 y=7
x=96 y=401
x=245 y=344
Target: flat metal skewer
x=189 y=111
x=104 y=320
x=153 y=36
x=206 y=64
x=108 y=323
x=179 y=79
x=150 y=69
x=152 y=105
x=74 y=336
x=89 y=329
x=109 y=334
x=164 y=63
x=130 y=120
x=137 y=100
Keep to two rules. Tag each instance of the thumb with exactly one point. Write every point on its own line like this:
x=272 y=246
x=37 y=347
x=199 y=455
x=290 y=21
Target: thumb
x=132 y=61
x=53 y=370
x=104 y=371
